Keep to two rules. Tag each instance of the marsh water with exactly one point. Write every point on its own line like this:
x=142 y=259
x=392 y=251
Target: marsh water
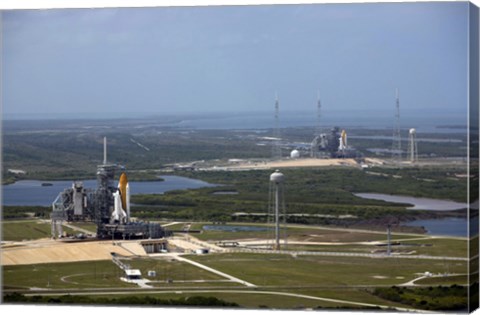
x=448 y=226
x=43 y=193
x=417 y=203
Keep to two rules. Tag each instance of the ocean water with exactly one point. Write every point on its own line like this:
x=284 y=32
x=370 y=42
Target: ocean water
x=421 y=119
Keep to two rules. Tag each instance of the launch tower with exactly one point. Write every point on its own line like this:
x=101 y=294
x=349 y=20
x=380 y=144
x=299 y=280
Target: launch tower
x=108 y=206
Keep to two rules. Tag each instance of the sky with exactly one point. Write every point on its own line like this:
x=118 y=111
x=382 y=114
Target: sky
x=235 y=58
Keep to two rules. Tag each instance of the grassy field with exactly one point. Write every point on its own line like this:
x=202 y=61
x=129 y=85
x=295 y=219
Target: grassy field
x=294 y=233
x=255 y=300
x=92 y=227
x=28 y=230
x=431 y=247
x=344 y=278
x=171 y=269
x=439 y=247
x=96 y=274
x=305 y=271
x=105 y=274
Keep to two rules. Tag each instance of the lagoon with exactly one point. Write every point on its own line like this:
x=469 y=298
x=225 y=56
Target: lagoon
x=418 y=203
x=448 y=226
x=33 y=193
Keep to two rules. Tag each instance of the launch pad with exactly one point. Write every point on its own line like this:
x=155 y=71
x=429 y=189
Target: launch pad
x=107 y=206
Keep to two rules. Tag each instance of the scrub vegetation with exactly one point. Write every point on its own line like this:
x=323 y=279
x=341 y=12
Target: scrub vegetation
x=198 y=301
x=443 y=298
x=148 y=145
x=324 y=191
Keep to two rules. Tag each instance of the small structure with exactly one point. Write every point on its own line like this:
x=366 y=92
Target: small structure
x=152 y=273
x=131 y=275
x=201 y=251
x=295 y=154
x=155 y=246
x=412 y=146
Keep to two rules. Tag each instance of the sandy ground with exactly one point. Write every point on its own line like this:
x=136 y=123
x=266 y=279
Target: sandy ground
x=54 y=251
x=50 y=251
x=192 y=243
x=296 y=163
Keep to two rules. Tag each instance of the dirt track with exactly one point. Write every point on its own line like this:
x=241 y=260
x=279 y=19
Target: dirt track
x=296 y=163
x=50 y=251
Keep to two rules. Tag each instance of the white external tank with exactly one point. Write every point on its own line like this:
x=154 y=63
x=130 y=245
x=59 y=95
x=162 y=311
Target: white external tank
x=295 y=154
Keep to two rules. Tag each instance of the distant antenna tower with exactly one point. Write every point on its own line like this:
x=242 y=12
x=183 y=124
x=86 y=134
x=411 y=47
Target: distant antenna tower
x=397 y=138
x=276 y=205
x=276 y=150
x=412 y=145
x=319 y=115
x=314 y=145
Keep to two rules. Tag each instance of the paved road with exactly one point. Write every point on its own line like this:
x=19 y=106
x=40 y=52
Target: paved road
x=232 y=278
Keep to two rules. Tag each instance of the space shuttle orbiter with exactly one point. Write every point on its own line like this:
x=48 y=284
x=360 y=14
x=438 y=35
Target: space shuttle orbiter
x=343 y=141
x=121 y=211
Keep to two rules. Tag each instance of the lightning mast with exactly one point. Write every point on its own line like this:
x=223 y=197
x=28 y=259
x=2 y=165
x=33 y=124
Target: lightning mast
x=276 y=151
x=397 y=138
x=319 y=110
x=314 y=145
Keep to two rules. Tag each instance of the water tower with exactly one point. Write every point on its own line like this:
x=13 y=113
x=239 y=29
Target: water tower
x=277 y=204
x=412 y=145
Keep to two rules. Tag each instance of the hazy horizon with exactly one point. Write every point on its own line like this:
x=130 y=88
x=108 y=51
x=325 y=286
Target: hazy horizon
x=180 y=60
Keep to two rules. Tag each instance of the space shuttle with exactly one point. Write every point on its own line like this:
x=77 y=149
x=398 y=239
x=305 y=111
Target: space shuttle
x=343 y=141
x=121 y=198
